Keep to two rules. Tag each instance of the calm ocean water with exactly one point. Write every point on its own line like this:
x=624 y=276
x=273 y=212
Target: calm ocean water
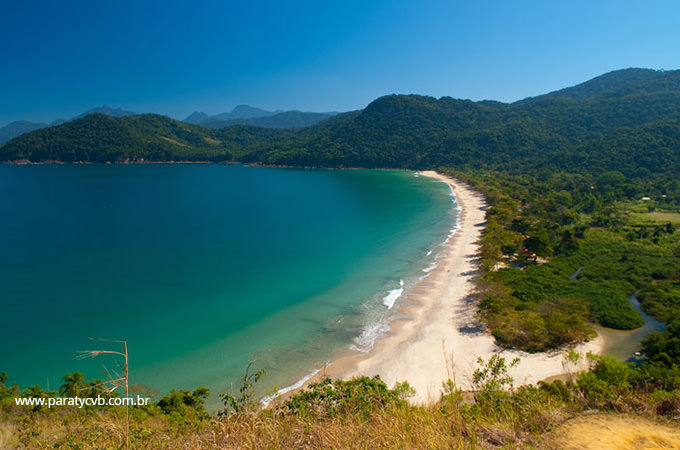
x=202 y=267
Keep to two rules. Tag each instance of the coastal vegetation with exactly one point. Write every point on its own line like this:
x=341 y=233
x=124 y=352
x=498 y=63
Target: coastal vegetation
x=357 y=413
x=561 y=252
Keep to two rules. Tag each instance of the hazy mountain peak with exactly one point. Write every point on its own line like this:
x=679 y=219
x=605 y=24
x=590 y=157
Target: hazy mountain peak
x=248 y=110
x=197 y=117
x=244 y=112
x=107 y=110
x=17 y=128
x=239 y=112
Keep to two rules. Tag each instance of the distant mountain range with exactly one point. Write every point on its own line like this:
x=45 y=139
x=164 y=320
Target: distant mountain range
x=241 y=115
x=249 y=115
x=107 y=110
x=19 y=127
x=240 y=112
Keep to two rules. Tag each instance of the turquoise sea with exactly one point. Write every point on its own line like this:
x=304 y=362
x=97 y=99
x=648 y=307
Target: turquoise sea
x=202 y=267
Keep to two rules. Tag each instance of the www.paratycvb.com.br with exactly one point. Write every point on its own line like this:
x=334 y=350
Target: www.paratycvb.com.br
x=81 y=402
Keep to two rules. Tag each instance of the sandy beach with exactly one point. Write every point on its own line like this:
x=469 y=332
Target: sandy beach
x=439 y=338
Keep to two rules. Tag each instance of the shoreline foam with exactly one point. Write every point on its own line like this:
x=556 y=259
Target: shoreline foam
x=437 y=337
x=393 y=295
x=433 y=342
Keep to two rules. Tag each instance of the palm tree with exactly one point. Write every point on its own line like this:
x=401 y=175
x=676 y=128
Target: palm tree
x=73 y=382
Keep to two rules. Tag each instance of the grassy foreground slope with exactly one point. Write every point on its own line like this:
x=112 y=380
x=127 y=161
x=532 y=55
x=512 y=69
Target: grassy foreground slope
x=365 y=413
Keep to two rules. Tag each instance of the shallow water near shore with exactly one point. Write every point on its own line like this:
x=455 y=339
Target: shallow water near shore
x=202 y=267
x=625 y=345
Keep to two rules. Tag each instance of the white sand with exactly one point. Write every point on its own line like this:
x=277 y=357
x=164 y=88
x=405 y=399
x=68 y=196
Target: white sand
x=428 y=347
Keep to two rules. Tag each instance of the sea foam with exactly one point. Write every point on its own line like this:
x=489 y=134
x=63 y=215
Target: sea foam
x=379 y=326
x=393 y=295
x=364 y=342
x=298 y=384
x=430 y=268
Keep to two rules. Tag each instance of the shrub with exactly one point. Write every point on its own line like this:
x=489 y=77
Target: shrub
x=179 y=402
x=361 y=395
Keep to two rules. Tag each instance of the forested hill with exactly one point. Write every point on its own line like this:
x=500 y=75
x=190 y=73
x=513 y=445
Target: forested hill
x=618 y=121
x=609 y=84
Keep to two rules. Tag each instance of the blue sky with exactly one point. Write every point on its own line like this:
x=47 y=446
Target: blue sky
x=60 y=58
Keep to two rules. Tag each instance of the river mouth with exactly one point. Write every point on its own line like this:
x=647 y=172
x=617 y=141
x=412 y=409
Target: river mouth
x=626 y=345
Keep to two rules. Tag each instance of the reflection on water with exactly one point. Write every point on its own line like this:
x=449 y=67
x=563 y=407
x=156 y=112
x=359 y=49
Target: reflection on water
x=624 y=344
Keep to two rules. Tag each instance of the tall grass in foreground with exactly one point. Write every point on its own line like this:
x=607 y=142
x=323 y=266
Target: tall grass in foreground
x=519 y=423
x=359 y=413
x=392 y=427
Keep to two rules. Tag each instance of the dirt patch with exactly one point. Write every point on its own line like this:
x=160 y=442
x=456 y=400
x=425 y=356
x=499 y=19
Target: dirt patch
x=614 y=432
x=212 y=141
x=172 y=141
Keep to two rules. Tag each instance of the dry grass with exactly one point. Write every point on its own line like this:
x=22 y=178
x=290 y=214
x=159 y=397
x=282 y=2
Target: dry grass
x=402 y=428
x=526 y=418
x=657 y=217
x=408 y=427
x=615 y=432
x=7 y=435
